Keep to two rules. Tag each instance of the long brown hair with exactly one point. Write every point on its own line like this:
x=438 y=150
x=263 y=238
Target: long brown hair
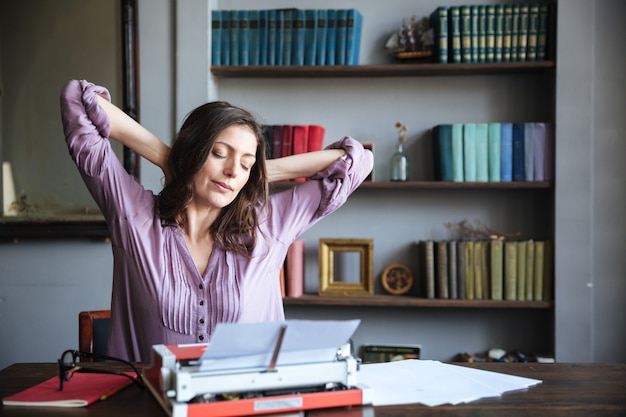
x=235 y=229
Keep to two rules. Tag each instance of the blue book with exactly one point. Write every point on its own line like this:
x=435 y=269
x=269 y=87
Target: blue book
x=320 y=44
x=474 y=34
x=310 y=36
x=353 y=36
x=466 y=34
x=271 y=37
x=342 y=29
x=298 y=33
x=482 y=155
x=287 y=36
x=225 y=58
x=234 y=37
x=482 y=33
x=499 y=33
x=439 y=23
x=529 y=151
x=522 y=35
x=255 y=39
x=331 y=36
x=506 y=152
x=539 y=133
x=280 y=37
x=494 y=138
x=216 y=37
x=442 y=147
x=491 y=33
x=454 y=34
x=506 y=35
x=263 y=37
x=457 y=153
x=469 y=152
x=244 y=37
x=518 y=152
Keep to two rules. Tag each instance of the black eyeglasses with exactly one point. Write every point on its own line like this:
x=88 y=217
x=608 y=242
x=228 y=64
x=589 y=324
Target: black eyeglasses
x=67 y=367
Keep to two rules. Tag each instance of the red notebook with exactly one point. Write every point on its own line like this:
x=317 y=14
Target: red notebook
x=80 y=391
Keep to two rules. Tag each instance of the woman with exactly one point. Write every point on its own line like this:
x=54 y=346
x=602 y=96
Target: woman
x=209 y=247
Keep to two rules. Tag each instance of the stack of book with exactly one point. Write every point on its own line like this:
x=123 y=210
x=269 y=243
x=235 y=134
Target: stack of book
x=491 y=33
x=488 y=269
x=493 y=152
x=286 y=37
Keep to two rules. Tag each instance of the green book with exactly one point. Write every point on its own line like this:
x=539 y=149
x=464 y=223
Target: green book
x=496 y=269
x=468 y=250
x=494 y=134
x=521 y=270
x=482 y=153
x=539 y=258
x=469 y=152
x=491 y=33
x=542 y=32
x=466 y=34
x=498 y=33
x=457 y=152
x=522 y=34
x=514 y=30
x=482 y=33
x=439 y=23
x=478 y=270
x=510 y=270
x=548 y=271
x=533 y=32
x=454 y=34
x=530 y=270
x=474 y=34
x=506 y=33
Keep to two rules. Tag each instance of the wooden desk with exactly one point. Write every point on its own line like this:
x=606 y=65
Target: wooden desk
x=570 y=390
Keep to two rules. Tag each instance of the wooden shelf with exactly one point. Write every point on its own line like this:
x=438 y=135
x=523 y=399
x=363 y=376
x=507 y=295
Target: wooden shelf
x=407 y=301
x=380 y=70
x=441 y=185
x=11 y=230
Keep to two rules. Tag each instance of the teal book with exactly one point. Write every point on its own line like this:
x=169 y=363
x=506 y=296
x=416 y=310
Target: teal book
x=469 y=152
x=482 y=156
x=255 y=41
x=494 y=140
x=457 y=152
x=439 y=23
x=499 y=33
x=353 y=36
x=320 y=44
x=288 y=16
x=454 y=34
x=310 y=36
x=225 y=49
x=280 y=38
x=522 y=35
x=244 y=37
x=518 y=152
x=529 y=151
x=542 y=32
x=514 y=30
x=331 y=36
x=539 y=134
x=442 y=147
x=491 y=33
x=271 y=37
x=506 y=152
x=342 y=34
x=533 y=31
x=466 y=34
x=298 y=33
x=263 y=38
x=507 y=30
x=474 y=34
x=482 y=33
x=234 y=37
x=216 y=37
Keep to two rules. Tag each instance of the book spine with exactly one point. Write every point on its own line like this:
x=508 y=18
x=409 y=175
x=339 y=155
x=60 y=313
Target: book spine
x=428 y=248
x=298 y=37
x=353 y=36
x=499 y=33
x=216 y=37
x=277 y=143
x=548 y=170
x=506 y=152
x=518 y=152
x=287 y=141
x=510 y=270
x=514 y=31
x=452 y=270
x=533 y=31
x=300 y=143
x=255 y=39
x=469 y=152
x=478 y=270
x=244 y=37
x=496 y=263
x=491 y=33
x=522 y=37
x=482 y=153
x=530 y=270
x=539 y=146
x=310 y=37
x=439 y=23
x=288 y=20
x=474 y=33
x=466 y=33
x=521 y=270
x=316 y=138
x=342 y=31
x=482 y=33
x=529 y=151
x=225 y=37
x=234 y=37
x=539 y=260
x=548 y=271
x=331 y=36
x=460 y=268
x=507 y=30
x=263 y=38
x=542 y=32
x=469 y=269
x=320 y=45
x=457 y=152
x=442 y=270
x=271 y=37
x=445 y=152
x=454 y=34
x=279 y=58
x=493 y=149
x=436 y=140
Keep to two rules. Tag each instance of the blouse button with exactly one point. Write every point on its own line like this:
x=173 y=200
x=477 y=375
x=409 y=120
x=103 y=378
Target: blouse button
x=201 y=337
x=201 y=286
x=201 y=321
x=202 y=302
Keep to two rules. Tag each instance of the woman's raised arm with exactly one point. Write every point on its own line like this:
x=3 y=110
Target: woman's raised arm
x=301 y=165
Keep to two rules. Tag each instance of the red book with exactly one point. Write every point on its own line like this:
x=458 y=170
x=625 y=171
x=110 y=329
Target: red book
x=287 y=142
x=316 y=138
x=295 y=269
x=277 y=141
x=300 y=143
x=80 y=391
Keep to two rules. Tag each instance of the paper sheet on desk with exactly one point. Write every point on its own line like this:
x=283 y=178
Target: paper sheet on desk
x=434 y=383
x=251 y=345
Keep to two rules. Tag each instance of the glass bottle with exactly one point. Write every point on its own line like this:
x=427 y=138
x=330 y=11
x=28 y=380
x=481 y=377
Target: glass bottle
x=399 y=165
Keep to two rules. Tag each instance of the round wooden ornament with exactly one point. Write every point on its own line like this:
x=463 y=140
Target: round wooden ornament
x=397 y=279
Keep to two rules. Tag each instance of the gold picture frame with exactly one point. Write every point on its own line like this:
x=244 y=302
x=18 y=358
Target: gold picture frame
x=338 y=259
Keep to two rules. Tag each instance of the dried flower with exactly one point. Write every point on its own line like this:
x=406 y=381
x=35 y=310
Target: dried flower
x=402 y=129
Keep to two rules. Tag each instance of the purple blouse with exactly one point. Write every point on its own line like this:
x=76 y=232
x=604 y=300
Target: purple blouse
x=158 y=295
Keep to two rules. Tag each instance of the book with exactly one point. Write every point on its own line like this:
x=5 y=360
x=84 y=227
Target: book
x=225 y=37
x=548 y=271
x=522 y=34
x=469 y=152
x=234 y=37
x=277 y=142
x=263 y=37
x=491 y=33
x=530 y=270
x=287 y=25
x=506 y=33
x=442 y=269
x=457 y=152
x=428 y=261
x=484 y=267
x=216 y=37
x=539 y=270
x=496 y=268
x=510 y=270
x=279 y=57
x=548 y=169
x=542 y=32
x=320 y=43
x=482 y=153
x=454 y=34
x=353 y=36
x=529 y=151
x=300 y=137
x=272 y=40
x=460 y=268
x=539 y=151
x=84 y=389
x=310 y=36
x=268 y=136
x=479 y=293
x=514 y=30
x=518 y=152
x=533 y=32
x=331 y=36
x=442 y=148
x=453 y=291
x=298 y=37
x=521 y=270
x=342 y=31
x=315 y=141
x=389 y=353
x=468 y=255
x=243 y=37
x=295 y=268
x=494 y=142
x=439 y=23
x=482 y=33
x=254 y=54
x=287 y=141
x=474 y=33
x=499 y=32
x=506 y=152
x=466 y=33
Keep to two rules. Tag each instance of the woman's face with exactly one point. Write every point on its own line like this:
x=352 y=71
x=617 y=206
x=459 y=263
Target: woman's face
x=227 y=168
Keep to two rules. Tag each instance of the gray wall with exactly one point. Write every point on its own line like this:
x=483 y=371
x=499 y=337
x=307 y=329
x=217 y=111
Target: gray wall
x=43 y=285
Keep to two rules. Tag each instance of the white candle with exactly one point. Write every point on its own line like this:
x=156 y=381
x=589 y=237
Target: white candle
x=8 y=190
